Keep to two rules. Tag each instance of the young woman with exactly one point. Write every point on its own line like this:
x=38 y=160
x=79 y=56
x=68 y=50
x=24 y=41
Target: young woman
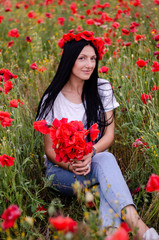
x=77 y=93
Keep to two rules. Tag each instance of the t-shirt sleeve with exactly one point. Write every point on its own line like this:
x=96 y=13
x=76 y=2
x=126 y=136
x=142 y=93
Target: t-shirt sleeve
x=107 y=96
x=49 y=116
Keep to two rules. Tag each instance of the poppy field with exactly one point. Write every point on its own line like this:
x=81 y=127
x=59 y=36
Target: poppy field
x=29 y=55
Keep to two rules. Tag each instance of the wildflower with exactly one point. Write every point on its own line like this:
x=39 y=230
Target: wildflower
x=13 y=33
x=155 y=88
x=33 y=66
x=10 y=215
x=41 y=126
x=73 y=7
x=10 y=43
x=7 y=74
x=126 y=44
x=103 y=69
x=28 y=39
x=90 y=21
x=6 y=160
x=61 y=21
x=1 y=18
x=32 y=14
x=125 y=226
x=41 y=208
x=41 y=69
x=125 y=31
x=48 y=15
x=115 y=25
x=145 y=97
x=94 y=131
x=156 y=38
x=139 y=37
x=141 y=63
x=108 y=41
x=7 y=86
x=121 y=233
x=153 y=183
x=15 y=102
x=155 y=67
x=65 y=224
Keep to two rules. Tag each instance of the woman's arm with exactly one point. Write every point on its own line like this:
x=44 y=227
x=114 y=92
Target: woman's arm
x=106 y=141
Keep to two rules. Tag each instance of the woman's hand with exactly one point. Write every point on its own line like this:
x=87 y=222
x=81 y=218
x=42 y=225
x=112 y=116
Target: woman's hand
x=82 y=167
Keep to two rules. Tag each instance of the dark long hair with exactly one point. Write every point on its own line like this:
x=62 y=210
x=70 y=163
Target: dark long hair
x=90 y=96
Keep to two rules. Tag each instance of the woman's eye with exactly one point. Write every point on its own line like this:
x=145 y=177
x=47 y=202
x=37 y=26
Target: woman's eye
x=81 y=58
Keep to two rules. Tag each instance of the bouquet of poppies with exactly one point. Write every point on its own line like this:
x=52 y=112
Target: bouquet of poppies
x=68 y=138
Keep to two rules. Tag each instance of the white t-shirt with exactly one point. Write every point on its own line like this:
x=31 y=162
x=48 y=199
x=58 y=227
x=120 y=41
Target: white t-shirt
x=63 y=108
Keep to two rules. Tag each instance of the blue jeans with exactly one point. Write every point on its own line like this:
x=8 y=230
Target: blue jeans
x=113 y=190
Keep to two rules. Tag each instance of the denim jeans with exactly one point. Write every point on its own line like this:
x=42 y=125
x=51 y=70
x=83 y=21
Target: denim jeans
x=113 y=190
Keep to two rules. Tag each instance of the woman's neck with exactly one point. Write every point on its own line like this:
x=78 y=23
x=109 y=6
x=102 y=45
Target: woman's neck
x=74 y=85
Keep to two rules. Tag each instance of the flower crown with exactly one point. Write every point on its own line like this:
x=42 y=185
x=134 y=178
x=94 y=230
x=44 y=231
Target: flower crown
x=87 y=35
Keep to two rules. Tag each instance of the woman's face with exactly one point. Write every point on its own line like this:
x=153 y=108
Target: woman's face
x=84 y=64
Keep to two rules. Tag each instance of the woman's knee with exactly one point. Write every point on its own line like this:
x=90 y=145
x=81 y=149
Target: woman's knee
x=103 y=158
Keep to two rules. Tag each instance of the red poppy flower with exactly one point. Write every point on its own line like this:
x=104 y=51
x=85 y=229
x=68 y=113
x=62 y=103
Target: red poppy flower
x=40 y=20
x=103 y=69
x=7 y=74
x=155 y=67
x=156 y=38
x=139 y=37
x=127 y=44
x=47 y=2
x=155 y=88
x=7 y=9
x=65 y=224
x=94 y=131
x=61 y=21
x=6 y=122
x=15 y=102
x=28 y=39
x=32 y=14
x=73 y=7
x=145 y=97
x=8 y=86
x=125 y=31
x=121 y=233
x=6 y=160
x=141 y=63
x=13 y=33
x=33 y=66
x=125 y=226
x=10 y=215
x=41 y=126
x=1 y=18
x=108 y=41
x=88 y=12
x=41 y=208
x=90 y=21
x=156 y=2
x=48 y=15
x=115 y=25
x=153 y=183
x=10 y=43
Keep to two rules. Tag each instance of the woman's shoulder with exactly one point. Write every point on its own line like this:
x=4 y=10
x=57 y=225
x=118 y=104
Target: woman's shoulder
x=102 y=80
x=104 y=84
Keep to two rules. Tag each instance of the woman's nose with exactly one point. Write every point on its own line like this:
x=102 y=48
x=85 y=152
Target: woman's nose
x=89 y=63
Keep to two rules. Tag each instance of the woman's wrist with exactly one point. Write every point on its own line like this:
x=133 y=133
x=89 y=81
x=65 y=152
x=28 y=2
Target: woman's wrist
x=68 y=166
x=93 y=152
